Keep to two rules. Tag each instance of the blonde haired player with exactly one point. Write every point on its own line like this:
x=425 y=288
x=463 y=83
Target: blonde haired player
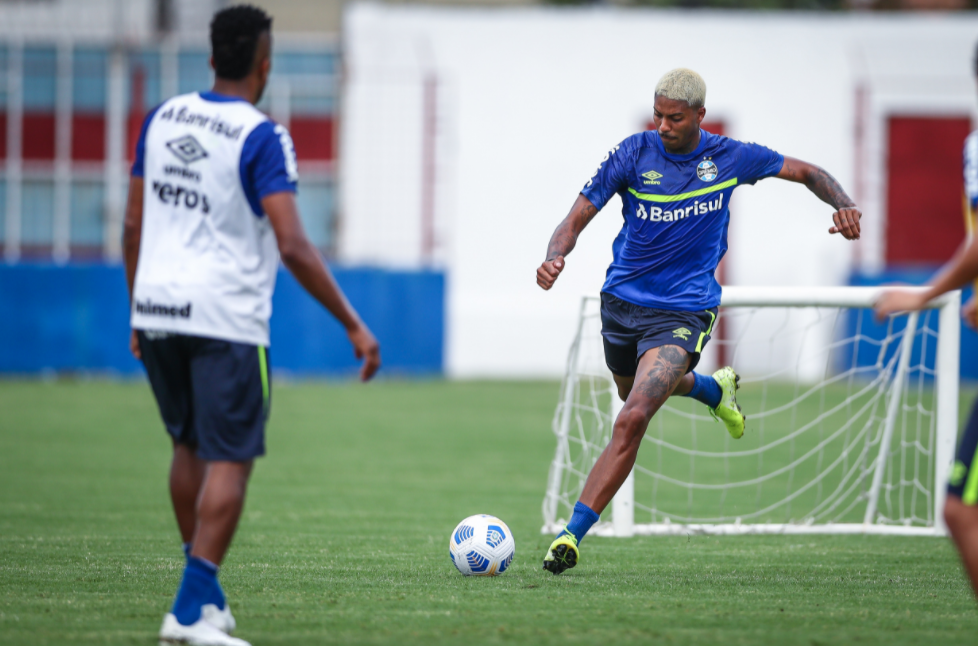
x=660 y=297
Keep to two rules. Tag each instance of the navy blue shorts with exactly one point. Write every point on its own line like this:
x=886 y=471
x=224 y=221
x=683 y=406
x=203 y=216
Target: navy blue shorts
x=214 y=395
x=630 y=330
x=963 y=482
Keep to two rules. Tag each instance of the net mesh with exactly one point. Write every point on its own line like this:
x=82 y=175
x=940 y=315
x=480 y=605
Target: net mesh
x=817 y=384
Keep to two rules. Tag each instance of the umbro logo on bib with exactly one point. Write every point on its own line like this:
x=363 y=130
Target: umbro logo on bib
x=187 y=149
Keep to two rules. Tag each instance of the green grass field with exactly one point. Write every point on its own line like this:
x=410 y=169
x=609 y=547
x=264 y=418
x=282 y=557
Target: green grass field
x=345 y=535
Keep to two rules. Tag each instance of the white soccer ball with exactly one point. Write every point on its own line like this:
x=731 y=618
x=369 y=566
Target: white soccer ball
x=482 y=545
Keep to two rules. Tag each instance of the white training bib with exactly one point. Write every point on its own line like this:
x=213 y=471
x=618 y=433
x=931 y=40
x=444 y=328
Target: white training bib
x=207 y=263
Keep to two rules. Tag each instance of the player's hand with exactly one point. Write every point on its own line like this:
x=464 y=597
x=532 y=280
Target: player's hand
x=898 y=300
x=548 y=272
x=365 y=347
x=134 y=346
x=969 y=312
x=847 y=222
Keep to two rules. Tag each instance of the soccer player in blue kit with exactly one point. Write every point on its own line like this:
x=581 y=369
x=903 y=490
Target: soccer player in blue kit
x=211 y=211
x=660 y=297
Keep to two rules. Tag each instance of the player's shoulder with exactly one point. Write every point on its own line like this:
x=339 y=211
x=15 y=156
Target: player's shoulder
x=743 y=151
x=632 y=146
x=640 y=140
x=729 y=143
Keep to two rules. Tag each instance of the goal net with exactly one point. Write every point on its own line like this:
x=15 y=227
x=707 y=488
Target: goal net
x=851 y=423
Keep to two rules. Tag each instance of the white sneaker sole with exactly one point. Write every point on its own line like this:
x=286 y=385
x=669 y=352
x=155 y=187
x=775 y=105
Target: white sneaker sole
x=223 y=620
x=202 y=633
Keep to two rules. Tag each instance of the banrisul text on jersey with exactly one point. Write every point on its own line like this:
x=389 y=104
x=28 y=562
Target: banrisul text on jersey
x=676 y=212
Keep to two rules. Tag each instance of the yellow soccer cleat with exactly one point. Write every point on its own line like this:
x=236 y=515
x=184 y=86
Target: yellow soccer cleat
x=728 y=411
x=562 y=555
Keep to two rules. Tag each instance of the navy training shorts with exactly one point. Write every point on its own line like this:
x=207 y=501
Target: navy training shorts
x=630 y=330
x=214 y=395
x=963 y=482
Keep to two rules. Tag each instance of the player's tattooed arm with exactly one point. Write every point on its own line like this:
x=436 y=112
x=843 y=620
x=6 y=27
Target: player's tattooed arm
x=826 y=188
x=564 y=240
x=668 y=368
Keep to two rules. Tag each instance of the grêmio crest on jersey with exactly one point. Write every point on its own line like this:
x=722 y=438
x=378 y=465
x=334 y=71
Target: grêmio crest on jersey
x=707 y=171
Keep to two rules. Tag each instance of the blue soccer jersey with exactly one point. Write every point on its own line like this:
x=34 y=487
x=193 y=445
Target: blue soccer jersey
x=676 y=211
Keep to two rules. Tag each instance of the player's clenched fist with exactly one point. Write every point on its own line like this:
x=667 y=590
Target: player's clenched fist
x=548 y=272
x=847 y=222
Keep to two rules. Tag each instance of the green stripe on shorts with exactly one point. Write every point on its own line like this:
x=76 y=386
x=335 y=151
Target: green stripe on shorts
x=703 y=335
x=263 y=366
x=970 y=494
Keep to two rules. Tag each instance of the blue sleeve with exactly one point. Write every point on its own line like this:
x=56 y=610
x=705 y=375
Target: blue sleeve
x=757 y=162
x=268 y=164
x=137 y=164
x=611 y=176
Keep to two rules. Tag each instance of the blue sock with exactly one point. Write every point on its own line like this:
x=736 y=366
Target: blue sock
x=186 y=551
x=580 y=522
x=706 y=390
x=198 y=587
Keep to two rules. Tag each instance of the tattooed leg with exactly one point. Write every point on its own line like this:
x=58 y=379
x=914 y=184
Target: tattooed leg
x=624 y=385
x=659 y=372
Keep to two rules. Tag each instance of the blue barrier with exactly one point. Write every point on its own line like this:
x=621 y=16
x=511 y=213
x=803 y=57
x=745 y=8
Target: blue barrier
x=76 y=318
x=869 y=327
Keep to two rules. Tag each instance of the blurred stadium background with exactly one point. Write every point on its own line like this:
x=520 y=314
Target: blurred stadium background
x=440 y=144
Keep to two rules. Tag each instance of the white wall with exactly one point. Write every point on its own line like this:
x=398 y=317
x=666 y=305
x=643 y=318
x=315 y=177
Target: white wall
x=532 y=98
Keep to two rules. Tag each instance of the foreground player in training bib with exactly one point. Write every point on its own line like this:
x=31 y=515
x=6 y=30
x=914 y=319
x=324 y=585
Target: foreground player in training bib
x=211 y=210
x=659 y=300
x=961 y=506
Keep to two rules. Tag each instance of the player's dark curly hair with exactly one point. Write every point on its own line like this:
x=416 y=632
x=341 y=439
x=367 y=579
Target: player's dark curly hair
x=234 y=39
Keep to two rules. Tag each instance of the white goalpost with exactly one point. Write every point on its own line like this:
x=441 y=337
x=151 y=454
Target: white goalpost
x=851 y=423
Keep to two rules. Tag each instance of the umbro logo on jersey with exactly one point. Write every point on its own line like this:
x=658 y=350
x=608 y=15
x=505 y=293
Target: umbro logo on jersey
x=182 y=172
x=187 y=149
x=652 y=177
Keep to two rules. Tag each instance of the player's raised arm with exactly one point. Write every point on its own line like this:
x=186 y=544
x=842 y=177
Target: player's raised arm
x=962 y=269
x=826 y=188
x=305 y=263
x=564 y=240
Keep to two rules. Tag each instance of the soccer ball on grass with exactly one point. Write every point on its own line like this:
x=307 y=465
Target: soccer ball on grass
x=482 y=545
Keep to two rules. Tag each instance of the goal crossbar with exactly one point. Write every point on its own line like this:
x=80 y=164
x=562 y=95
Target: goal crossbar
x=945 y=414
